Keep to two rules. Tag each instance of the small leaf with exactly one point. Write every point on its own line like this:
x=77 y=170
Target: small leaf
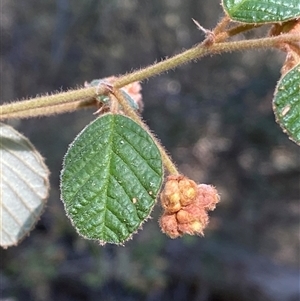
x=105 y=99
x=111 y=176
x=134 y=105
x=24 y=186
x=262 y=11
x=286 y=103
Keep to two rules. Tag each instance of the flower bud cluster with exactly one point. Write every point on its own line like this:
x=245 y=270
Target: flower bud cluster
x=185 y=206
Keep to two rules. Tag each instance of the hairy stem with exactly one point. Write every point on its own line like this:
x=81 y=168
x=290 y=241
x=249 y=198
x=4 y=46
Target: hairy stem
x=167 y=161
x=194 y=53
x=199 y=51
x=50 y=110
x=51 y=101
x=224 y=35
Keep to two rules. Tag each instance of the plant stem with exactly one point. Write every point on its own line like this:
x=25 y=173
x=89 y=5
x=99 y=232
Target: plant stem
x=221 y=26
x=194 y=53
x=233 y=31
x=167 y=161
x=49 y=101
x=50 y=110
x=199 y=51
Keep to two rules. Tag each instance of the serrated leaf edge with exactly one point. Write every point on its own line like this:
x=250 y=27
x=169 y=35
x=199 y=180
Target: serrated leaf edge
x=101 y=242
x=274 y=107
x=44 y=199
x=262 y=22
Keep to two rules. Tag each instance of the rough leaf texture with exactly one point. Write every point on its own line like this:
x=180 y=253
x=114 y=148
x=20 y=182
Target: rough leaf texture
x=24 y=186
x=286 y=104
x=262 y=11
x=111 y=176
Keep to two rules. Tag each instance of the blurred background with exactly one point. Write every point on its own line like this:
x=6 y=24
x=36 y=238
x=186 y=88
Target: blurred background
x=214 y=117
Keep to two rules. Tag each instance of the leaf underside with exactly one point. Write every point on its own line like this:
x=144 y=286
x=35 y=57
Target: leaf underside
x=111 y=176
x=24 y=186
x=286 y=103
x=262 y=11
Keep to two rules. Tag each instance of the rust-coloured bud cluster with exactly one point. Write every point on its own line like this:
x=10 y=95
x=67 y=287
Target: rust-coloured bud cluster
x=185 y=206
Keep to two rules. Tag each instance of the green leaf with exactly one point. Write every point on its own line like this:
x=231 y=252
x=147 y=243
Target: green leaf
x=111 y=176
x=262 y=11
x=24 y=186
x=286 y=103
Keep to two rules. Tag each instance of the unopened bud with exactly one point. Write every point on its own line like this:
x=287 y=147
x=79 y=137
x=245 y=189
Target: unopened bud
x=188 y=190
x=192 y=228
x=208 y=196
x=170 y=197
x=186 y=205
x=168 y=224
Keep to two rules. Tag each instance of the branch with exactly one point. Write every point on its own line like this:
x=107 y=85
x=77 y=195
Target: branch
x=194 y=53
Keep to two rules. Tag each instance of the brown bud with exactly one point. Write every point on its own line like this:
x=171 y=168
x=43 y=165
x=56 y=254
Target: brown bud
x=184 y=217
x=170 y=197
x=192 y=228
x=168 y=224
x=207 y=196
x=186 y=205
x=188 y=190
x=198 y=212
x=178 y=191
